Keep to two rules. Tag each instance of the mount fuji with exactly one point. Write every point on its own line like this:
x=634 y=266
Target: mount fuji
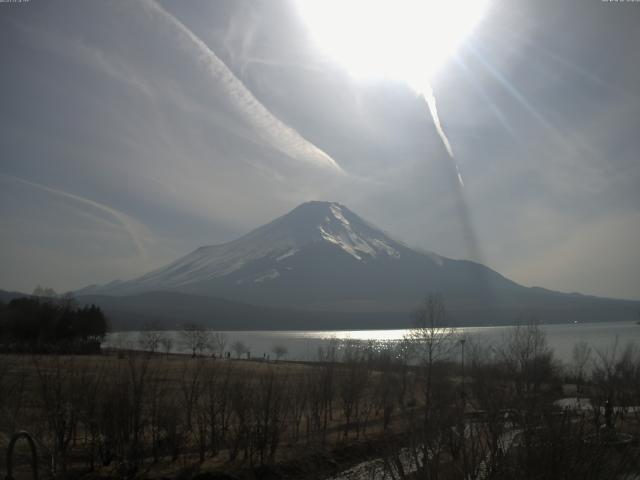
x=322 y=257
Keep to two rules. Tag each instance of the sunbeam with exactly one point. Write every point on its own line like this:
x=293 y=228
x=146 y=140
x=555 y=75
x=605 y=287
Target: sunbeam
x=405 y=41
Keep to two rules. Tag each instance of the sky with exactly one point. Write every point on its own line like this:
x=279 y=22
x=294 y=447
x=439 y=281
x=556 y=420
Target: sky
x=133 y=132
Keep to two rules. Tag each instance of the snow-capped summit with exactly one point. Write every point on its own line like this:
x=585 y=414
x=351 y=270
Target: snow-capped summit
x=326 y=222
x=274 y=245
x=319 y=255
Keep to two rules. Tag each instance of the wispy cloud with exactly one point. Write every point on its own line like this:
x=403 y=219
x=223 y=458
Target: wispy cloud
x=266 y=125
x=134 y=229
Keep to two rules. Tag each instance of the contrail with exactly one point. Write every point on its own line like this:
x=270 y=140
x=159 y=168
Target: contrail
x=425 y=90
x=267 y=125
x=430 y=99
x=127 y=223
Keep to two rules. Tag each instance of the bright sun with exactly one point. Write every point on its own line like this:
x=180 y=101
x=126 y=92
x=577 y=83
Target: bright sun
x=404 y=40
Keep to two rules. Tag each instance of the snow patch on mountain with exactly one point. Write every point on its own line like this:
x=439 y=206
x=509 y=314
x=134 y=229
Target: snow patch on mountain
x=269 y=275
x=337 y=213
x=381 y=245
x=290 y=253
x=350 y=240
x=340 y=241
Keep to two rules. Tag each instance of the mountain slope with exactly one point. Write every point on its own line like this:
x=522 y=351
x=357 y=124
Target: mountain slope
x=273 y=246
x=322 y=256
x=170 y=310
x=319 y=254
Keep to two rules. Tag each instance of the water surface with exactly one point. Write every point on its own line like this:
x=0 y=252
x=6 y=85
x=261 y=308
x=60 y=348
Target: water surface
x=304 y=345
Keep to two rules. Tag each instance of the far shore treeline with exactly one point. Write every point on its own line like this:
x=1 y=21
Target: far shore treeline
x=48 y=323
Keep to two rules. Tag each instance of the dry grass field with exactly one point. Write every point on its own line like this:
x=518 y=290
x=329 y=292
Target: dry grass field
x=139 y=415
x=165 y=414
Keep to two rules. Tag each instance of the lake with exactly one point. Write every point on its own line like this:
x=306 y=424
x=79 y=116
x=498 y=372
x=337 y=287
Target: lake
x=303 y=345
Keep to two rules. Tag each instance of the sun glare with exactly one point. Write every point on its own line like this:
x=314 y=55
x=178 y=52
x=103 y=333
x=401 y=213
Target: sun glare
x=404 y=40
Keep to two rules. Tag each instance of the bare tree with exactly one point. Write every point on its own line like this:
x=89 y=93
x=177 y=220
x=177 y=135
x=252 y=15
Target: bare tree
x=527 y=356
x=615 y=378
x=61 y=384
x=269 y=414
x=167 y=344
x=217 y=380
x=194 y=338
x=157 y=407
x=219 y=342
x=430 y=338
x=581 y=355
x=352 y=382
x=192 y=386
x=386 y=385
x=279 y=351
x=239 y=348
x=12 y=385
x=149 y=338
